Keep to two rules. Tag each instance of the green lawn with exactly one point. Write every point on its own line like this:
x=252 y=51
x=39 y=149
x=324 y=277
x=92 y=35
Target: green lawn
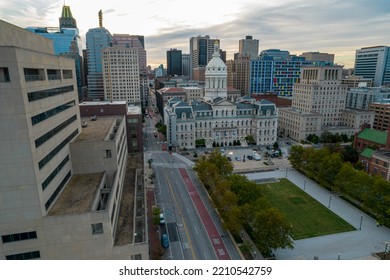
x=307 y=216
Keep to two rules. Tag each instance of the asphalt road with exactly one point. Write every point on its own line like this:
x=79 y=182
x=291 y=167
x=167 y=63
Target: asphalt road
x=193 y=228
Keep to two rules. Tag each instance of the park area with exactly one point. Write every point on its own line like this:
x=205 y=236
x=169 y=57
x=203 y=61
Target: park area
x=307 y=216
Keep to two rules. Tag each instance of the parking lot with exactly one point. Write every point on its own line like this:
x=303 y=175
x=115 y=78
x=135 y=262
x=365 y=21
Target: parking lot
x=243 y=161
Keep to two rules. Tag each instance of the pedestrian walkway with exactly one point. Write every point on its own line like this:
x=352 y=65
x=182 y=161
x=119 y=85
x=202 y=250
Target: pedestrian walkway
x=254 y=251
x=361 y=243
x=154 y=239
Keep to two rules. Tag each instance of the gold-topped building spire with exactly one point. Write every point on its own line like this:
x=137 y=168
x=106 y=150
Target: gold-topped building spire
x=66 y=19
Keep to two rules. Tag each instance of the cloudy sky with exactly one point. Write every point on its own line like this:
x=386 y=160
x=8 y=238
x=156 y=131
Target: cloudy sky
x=332 y=26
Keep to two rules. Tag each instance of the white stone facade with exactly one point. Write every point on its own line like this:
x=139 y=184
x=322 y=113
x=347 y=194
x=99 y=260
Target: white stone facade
x=318 y=105
x=121 y=74
x=221 y=123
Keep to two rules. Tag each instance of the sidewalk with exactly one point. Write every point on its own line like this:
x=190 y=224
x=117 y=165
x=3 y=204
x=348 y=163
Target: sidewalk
x=153 y=230
x=255 y=252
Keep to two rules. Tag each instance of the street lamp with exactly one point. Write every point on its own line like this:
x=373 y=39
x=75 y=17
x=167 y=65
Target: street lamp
x=304 y=185
x=330 y=199
x=361 y=221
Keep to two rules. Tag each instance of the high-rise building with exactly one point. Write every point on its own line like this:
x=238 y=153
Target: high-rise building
x=249 y=47
x=66 y=19
x=318 y=104
x=275 y=71
x=121 y=74
x=174 y=62
x=239 y=74
x=201 y=51
x=66 y=42
x=185 y=62
x=62 y=176
x=137 y=42
x=97 y=39
x=42 y=121
x=361 y=97
x=373 y=63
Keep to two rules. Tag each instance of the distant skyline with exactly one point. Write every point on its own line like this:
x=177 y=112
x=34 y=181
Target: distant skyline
x=333 y=26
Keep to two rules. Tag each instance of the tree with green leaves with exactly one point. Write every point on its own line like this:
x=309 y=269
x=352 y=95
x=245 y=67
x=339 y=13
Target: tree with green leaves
x=224 y=166
x=296 y=157
x=208 y=173
x=245 y=190
x=377 y=198
x=270 y=231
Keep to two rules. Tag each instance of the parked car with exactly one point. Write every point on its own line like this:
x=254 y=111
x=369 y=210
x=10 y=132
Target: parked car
x=256 y=156
x=238 y=158
x=164 y=241
x=162 y=219
x=249 y=157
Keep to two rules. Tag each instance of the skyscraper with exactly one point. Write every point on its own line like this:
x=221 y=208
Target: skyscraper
x=174 y=62
x=373 y=63
x=201 y=51
x=137 y=42
x=97 y=39
x=66 y=19
x=249 y=47
x=121 y=74
x=185 y=62
x=66 y=42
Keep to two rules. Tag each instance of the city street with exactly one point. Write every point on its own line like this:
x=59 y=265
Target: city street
x=192 y=226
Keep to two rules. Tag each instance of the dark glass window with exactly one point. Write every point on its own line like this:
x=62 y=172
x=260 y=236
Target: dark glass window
x=19 y=236
x=54 y=131
x=55 y=151
x=58 y=190
x=50 y=113
x=24 y=256
x=54 y=173
x=40 y=94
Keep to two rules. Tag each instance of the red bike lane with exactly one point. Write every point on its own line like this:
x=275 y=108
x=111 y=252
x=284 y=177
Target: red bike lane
x=212 y=232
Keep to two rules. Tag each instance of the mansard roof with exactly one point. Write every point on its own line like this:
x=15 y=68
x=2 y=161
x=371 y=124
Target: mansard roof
x=201 y=106
x=244 y=106
x=265 y=105
x=173 y=101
